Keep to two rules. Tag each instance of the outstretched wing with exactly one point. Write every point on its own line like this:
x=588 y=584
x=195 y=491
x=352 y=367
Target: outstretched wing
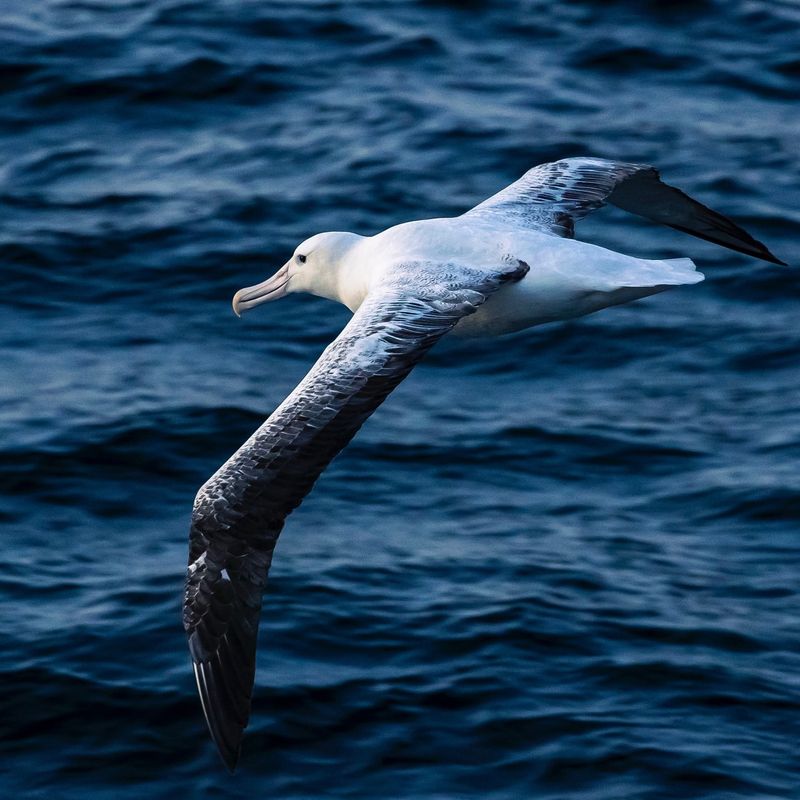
x=240 y=511
x=552 y=196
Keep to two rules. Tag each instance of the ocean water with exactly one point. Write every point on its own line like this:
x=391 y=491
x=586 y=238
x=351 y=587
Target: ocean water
x=561 y=565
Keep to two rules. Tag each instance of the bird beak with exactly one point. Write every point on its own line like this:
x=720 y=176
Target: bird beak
x=271 y=289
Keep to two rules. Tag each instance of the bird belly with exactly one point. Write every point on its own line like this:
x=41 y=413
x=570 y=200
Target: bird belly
x=540 y=298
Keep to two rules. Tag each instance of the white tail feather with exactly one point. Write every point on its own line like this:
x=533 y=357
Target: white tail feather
x=667 y=272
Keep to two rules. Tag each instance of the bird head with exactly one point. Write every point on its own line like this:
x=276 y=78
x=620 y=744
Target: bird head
x=315 y=267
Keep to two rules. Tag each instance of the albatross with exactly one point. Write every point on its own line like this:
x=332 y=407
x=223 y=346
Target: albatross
x=509 y=263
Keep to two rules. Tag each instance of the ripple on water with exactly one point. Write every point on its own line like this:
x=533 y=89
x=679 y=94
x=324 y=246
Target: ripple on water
x=560 y=565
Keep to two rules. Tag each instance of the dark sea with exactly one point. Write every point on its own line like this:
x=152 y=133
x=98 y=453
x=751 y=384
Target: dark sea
x=563 y=564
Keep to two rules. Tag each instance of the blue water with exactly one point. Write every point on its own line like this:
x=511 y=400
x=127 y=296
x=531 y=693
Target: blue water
x=562 y=565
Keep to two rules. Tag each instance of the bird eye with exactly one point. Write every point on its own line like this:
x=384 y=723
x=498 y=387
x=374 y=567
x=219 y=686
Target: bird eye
x=301 y=259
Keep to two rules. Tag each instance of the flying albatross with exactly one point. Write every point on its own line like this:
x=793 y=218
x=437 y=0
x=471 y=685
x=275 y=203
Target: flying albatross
x=507 y=264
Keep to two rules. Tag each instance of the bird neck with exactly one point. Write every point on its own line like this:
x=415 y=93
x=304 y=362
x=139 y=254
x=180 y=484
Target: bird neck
x=346 y=279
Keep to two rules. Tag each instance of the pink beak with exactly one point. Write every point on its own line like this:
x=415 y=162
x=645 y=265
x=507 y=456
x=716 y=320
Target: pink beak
x=271 y=289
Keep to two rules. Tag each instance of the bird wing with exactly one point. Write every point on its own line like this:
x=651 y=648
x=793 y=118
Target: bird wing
x=239 y=513
x=552 y=196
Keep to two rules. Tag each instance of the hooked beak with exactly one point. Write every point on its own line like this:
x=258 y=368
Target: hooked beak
x=271 y=289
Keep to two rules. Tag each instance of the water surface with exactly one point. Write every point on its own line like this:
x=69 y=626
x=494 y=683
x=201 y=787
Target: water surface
x=563 y=565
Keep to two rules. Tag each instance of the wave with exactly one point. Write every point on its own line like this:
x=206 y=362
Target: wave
x=557 y=565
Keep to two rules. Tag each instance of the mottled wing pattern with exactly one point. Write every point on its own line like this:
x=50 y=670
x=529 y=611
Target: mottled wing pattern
x=240 y=511
x=551 y=197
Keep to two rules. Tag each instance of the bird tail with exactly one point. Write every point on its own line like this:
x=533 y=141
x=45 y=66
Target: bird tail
x=666 y=272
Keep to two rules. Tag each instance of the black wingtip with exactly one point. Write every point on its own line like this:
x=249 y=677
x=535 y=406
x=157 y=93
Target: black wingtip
x=776 y=260
x=225 y=732
x=745 y=243
x=761 y=251
x=645 y=194
x=765 y=255
x=230 y=759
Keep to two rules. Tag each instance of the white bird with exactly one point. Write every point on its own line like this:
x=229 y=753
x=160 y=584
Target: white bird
x=507 y=264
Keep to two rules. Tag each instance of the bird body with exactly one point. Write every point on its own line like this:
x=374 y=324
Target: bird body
x=567 y=278
x=507 y=264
